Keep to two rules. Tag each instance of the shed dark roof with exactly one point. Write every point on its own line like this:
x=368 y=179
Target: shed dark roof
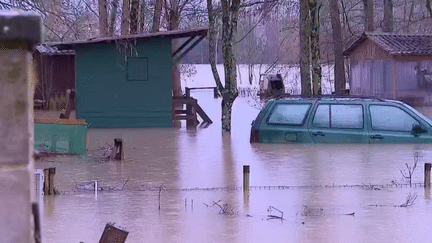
x=172 y=34
x=53 y=50
x=396 y=44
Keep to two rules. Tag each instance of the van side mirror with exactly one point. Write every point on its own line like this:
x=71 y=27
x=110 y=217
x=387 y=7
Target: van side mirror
x=417 y=129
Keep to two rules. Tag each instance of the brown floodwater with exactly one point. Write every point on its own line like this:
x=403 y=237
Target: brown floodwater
x=190 y=173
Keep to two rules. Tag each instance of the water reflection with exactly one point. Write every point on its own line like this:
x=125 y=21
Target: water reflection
x=205 y=166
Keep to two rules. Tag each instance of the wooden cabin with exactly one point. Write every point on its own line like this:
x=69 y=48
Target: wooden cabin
x=125 y=81
x=395 y=66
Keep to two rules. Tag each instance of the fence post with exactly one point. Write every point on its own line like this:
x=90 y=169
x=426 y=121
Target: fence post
x=117 y=153
x=46 y=182
x=52 y=172
x=246 y=171
x=19 y=32
x=427 y=175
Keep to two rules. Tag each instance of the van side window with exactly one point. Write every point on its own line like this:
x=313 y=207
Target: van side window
x=322 y=116
x=338 y=116
x=346 y=116
x=391 y=118
x=289 y=114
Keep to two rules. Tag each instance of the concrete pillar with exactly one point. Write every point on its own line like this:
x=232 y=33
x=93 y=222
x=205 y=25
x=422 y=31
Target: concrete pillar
x=19 y=32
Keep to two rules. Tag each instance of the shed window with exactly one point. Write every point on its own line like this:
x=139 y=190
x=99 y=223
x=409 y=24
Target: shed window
x=137 y=69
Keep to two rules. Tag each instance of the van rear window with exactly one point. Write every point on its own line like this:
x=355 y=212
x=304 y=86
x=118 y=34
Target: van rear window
x=289 y=114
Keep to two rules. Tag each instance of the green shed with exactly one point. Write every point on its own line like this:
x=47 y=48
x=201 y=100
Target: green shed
x=125 y=81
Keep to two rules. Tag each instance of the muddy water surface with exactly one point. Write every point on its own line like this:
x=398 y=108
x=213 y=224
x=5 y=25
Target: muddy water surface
x=314 y=186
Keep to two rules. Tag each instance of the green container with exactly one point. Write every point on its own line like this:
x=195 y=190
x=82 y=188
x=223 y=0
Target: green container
x=60 y=136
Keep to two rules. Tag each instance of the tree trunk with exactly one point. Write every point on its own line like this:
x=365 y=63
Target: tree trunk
x=305 y=49
x=368 y=8
x=143 y=17
x=339 y=67
x=125 y=27
x=173 y=17
x=157 y=15
x=227 y=104
x=410 y=16
x=229 y=93
x=388 y=16
x=315 y=50
x=229 y=28
x=134 y=16
x=103 y=18
x=428 y=7
x=212 y=35
x=113 y=17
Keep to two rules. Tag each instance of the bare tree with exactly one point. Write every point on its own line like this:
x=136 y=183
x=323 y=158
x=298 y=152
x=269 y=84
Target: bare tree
x=305 y=49
x=368 y=8
x=143 y=17
x=428 y=7
x=157 y=15
x=250 y=44
x=229 y=92
x=134 y=16
x=314 y=10
x=339 y=67
x=388 y=16
x=103 y=18
x=112 y=17
x=173 y=9
x=125 y=22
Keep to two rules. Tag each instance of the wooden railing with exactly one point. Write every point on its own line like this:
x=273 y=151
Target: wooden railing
x=190 y=114
x=215 y=91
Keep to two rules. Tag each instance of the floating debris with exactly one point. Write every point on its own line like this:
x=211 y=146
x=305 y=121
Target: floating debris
x=310 y=211
x=270 y=209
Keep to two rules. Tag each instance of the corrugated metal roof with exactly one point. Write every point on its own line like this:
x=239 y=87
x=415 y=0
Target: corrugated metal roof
x=53 y=50
x=397 y=44
x=172 y=34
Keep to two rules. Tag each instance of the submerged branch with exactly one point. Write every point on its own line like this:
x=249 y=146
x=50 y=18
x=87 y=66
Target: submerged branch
x=274 y=216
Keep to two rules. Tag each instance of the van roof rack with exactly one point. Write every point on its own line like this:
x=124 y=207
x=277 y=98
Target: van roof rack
x=330 y=96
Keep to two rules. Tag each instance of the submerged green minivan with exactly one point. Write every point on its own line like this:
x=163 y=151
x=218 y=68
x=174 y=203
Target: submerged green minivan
x=340 y=120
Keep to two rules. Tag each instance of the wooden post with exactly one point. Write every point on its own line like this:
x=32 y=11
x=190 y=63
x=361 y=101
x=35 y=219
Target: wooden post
x=246 y=171
x=215 y=93
x=46 y=182
x=96 y=188
x=394 y=79
x=191 y=118
x=427 y=175
x=52 y=172
x=117 y=153
x=113 y=234
x=187 y=92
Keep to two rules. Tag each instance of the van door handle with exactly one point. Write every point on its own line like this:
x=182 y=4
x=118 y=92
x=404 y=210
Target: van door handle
x=377 y=136
x=318 y=134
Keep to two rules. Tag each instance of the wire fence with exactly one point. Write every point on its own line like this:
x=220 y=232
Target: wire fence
x=90 y=187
